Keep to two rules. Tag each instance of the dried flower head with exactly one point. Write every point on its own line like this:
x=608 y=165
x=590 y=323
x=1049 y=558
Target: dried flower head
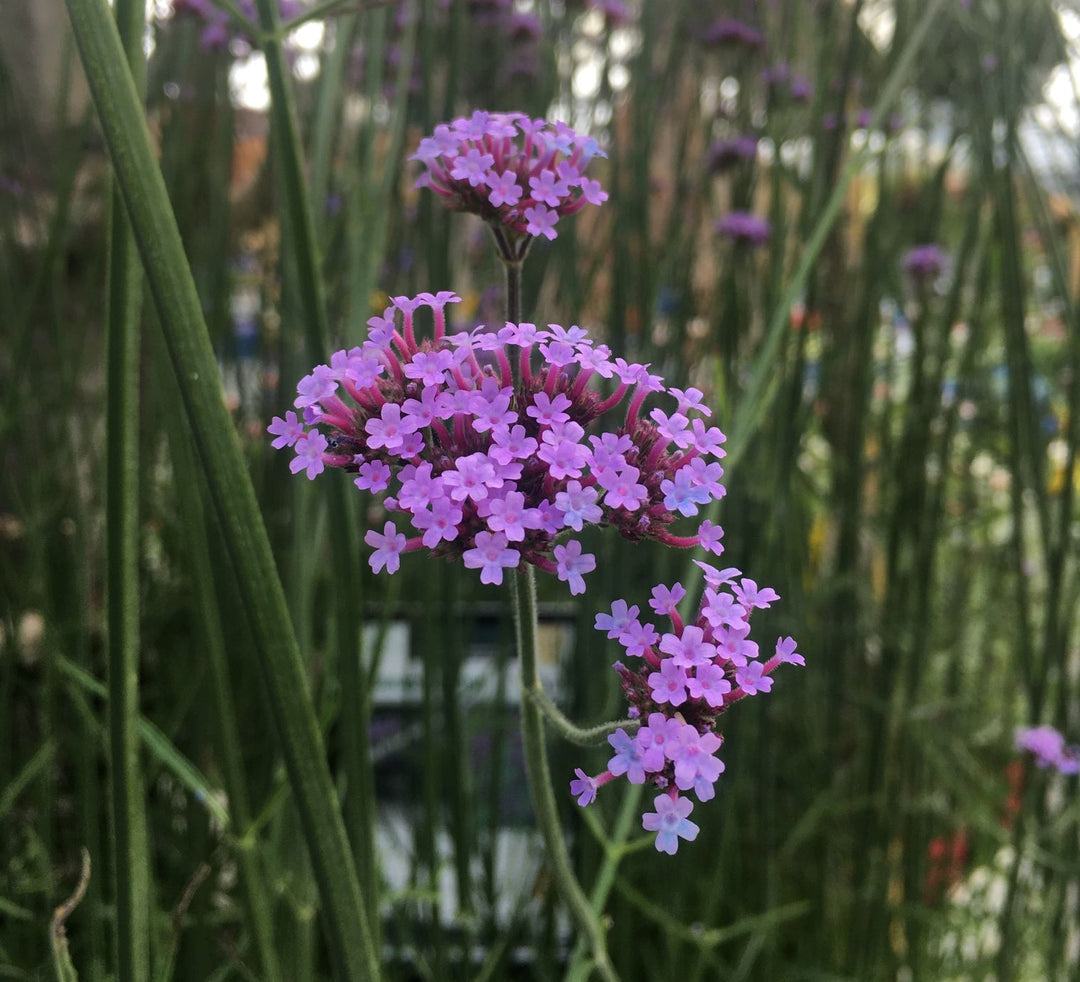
x=489 y=456
x=681 y=683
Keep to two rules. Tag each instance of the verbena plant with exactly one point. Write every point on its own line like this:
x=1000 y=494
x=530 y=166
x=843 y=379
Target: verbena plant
x=834 y=232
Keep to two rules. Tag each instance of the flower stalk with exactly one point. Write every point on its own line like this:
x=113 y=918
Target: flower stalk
x=523 y=591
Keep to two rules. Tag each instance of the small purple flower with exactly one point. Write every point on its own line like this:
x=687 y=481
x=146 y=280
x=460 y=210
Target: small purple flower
x=669 y=684
x=785 y=651
x=925 y=262
x=670 y=822
x=751 y=680
x=389 y=545
x=583 y=788
x=287 y=430
x=571 y=565
x=491 y=555
x=540 y=220
x=373 y=476
x=665 y=600
x=309 y=454
x=618 y=620
x=627 y=759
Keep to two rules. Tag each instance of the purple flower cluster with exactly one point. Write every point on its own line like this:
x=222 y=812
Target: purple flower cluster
x=744 y=227
x=1049 y=748
x=487 y=456
x=219 y=28
x=514 y=172
x=924 y=262
x=686 y=679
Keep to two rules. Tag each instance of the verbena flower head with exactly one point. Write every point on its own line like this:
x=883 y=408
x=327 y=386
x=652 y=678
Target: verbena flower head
x=744 y=227
x=925 y=262
x=517 y=173
x=1049 y=748
x=490 y=444
x=678 y=684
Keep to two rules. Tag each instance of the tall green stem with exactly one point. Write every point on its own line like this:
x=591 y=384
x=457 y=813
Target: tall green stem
x=122 y=309
x=169 y=278
x=523 y=587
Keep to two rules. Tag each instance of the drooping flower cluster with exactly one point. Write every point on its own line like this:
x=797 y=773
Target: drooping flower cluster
x=1049 y=748
x=487 y=455
x=514 y=172
x=683 y=681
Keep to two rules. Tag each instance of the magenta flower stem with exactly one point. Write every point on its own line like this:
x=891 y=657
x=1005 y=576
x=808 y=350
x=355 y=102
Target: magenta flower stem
x=523 y=590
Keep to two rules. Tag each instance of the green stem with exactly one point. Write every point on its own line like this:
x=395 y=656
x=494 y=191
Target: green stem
x=131 y=863
x=582 y=736
x=169 y=278
x=523 y=588
x=347 y=594
x=614 y=851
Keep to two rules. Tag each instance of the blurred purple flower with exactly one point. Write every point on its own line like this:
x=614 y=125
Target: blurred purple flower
x=1049 y=748
x=727 y=30
x=744 y=227
x=925 y=262
x=724 y=154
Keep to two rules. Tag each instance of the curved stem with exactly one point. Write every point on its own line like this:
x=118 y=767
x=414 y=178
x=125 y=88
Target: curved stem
x=582 y=736
x=523 y=589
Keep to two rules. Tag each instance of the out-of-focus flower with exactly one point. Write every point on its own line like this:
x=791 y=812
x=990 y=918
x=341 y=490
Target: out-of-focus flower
x=727 y=30
x=744 y=227
x=1049 y=748
x=925 y=262
x=686 y=680
x=489 y=457
x=724 y=154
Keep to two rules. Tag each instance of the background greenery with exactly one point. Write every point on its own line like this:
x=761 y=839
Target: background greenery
x=903 y=470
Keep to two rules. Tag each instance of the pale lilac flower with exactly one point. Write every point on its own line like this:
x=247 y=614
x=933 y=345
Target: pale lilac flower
x=665 y=599
x=627 y=759
x=583 y=788
x=750 y=679
x=309 y=454
x=670 y=822
x=287 y=430
x=540 y=220
x=389 y=545
x=491 y=555
x=617 y=621
x=571 y=565
x=669 y=684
